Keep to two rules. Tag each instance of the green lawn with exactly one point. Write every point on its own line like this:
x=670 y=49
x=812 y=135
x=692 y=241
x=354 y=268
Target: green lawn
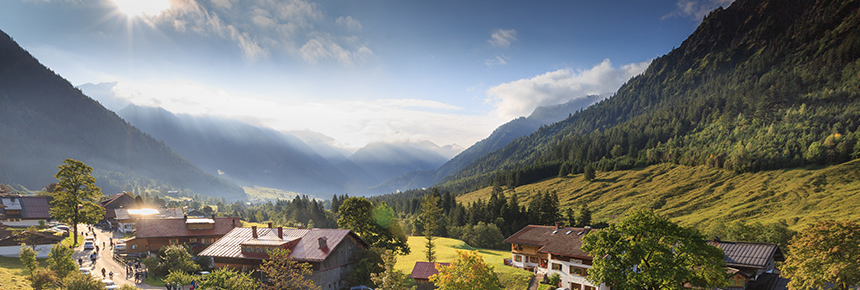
x=511 y=277
x=12 y=273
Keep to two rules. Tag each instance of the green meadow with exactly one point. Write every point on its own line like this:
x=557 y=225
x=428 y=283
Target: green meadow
x=511 y=278
x=699 y=195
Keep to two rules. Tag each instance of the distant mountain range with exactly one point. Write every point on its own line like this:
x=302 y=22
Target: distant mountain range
x=46 y=120
x=305 y=161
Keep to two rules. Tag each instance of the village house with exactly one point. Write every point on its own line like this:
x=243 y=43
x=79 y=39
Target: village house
x=25 y=211
x=10 y=242
x=752 y=265
x=197 y=233
x=548 y=250
x=117 y=201
x=330 y=252
x=421 y=274
x=126 y=219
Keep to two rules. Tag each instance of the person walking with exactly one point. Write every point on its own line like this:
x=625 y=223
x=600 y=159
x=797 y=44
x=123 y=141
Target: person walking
x=103 y=272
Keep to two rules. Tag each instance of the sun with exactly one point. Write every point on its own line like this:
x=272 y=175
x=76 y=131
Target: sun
x=142 y=7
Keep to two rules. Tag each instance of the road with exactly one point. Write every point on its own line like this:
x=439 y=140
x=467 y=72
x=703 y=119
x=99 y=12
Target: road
x=104 y=258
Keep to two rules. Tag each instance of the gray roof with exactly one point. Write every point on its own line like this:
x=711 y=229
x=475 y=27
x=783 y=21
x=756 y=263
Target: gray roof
x=748 y=255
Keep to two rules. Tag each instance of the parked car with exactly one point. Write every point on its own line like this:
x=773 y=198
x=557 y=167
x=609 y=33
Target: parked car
x=119 y=249
x=89 y=245
x=85 y=271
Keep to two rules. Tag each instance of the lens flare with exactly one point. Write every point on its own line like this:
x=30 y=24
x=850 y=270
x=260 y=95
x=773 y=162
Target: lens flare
x=141 y=8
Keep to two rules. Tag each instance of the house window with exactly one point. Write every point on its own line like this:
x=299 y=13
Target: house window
x=589 y=288
x=736 y=281
x=578 y=271
x=518 y=258
x=533 y=259
x=174 y=241
x=192 y=240
x=575 y=286
x=556 y=266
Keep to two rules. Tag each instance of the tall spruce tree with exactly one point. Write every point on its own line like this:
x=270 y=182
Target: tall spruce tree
x=430 y=212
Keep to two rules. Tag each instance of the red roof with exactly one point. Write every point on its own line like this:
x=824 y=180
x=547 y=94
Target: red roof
x=306 y=249
x=116 y=198
x=423 y=270
x=176 y=227
x=563 y=241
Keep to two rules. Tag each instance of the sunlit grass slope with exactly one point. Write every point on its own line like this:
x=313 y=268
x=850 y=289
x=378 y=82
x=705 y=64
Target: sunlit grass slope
x=446 y=248
x=258 y=193
x=698 y=195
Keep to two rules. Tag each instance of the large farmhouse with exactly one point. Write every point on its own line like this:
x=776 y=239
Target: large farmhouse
x=548 y=250
x=197 y=233
x=330 y=252
x=551 y=250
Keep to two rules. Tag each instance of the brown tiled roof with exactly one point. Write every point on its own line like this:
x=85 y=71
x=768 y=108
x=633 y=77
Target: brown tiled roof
x=423 y=270
x=40 y=239
x=748 y=255
x=563 y=241
x=114 y=198
x=176 y=227
x=35 y=207
x=306 y=249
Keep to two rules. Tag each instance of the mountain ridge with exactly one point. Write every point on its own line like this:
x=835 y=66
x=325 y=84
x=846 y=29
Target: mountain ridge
x=47 y=120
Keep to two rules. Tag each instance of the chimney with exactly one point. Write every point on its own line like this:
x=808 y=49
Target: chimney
x=281 y=233
x=322 y=242
x=254 y=232
x=586 y=230
x=186 y=216
x=233 y=220
x=717 y=239
x=213 y=216
x=270 y=225
x=557 y=226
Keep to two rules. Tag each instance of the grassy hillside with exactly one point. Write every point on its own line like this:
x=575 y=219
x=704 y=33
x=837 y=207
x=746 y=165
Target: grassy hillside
x=696 y=196
x=261 y=194
x=511 y=277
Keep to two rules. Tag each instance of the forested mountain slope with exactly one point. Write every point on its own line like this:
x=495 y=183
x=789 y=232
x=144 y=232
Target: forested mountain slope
x=703 y=196
x=44 y=120
x=759 y=85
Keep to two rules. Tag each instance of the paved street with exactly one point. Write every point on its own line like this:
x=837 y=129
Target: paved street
x=104 y=258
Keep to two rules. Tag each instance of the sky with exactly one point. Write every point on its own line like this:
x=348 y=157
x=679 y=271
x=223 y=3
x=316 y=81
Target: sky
x=358 y=71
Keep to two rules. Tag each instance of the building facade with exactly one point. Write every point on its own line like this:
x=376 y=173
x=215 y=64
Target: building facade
x=197 y=233
x=549 y=250
x=330 y=252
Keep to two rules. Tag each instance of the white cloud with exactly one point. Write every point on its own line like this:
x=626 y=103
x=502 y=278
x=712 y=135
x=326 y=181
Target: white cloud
x=263 y=28
x=499 y=60
x=354 y=123
x=696 y=9
x=349 y=22
x=521 y=97
x=503 y=37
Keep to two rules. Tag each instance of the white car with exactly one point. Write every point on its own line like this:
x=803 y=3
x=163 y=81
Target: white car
x=85 y=271
x=109 y=284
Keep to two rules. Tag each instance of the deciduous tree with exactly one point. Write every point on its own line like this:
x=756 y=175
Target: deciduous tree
x=647 y=251
x=390 y=278
x=227 y=279
x=826 y=252
x=376 y=226
x=28 y=258
x=76 y=196
x=285 y=273
x=80 y=281
x=467 y=272
x=60 y=261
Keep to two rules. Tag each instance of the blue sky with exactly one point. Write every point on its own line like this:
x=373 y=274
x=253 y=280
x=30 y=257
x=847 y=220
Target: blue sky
x=357 y=71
